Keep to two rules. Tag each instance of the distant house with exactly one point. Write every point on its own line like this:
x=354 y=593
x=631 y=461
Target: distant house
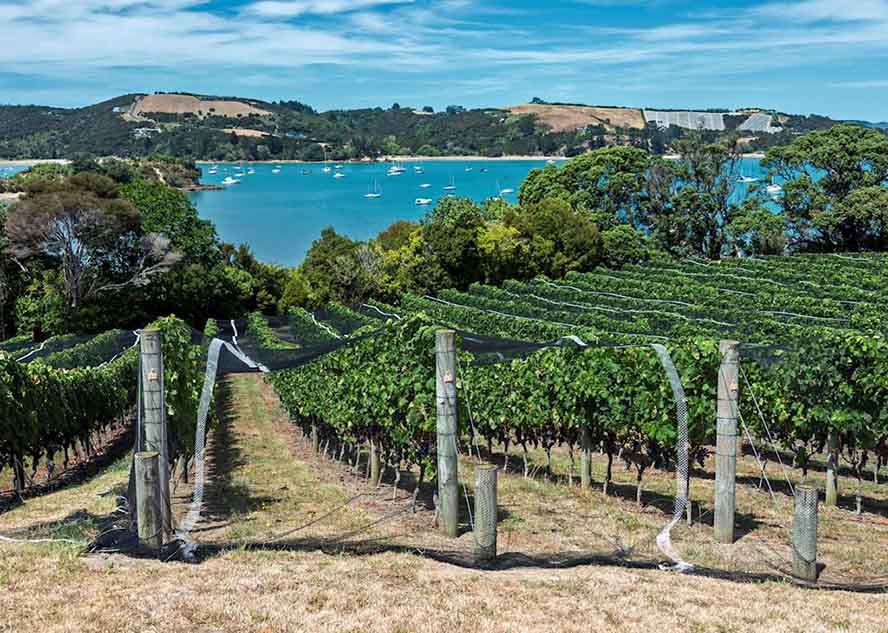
x=145 y=132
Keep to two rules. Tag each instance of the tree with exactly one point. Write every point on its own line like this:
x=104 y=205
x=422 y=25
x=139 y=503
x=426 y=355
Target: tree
x=689 y=204
x=560 y=239
x=169 y=212
x=623 y=245
x=323 y=264
x=756 y=230
x=83 y=162
x=450 y=233
x=94 y=235
x=833 y=190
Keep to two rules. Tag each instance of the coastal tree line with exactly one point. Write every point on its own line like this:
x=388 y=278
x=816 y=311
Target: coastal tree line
x=97 y=245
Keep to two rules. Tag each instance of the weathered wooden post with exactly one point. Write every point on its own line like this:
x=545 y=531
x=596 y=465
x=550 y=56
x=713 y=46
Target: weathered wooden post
x=154 y=419
x=485 y=512
x=448 y=476
x=375 y=466
x=315 y=440
x=149 y=505
x=586 y=460
x=726 y=442
x=832 y=475
x=804 y=534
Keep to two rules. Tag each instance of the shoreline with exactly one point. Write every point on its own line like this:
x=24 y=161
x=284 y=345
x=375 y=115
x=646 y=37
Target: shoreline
x=387 y=159
x=24 y=162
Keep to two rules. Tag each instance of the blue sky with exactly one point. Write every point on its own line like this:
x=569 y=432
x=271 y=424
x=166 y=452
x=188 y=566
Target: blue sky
x=801 y=56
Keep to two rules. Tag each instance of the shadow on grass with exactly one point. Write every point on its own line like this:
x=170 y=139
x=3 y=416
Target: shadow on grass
x=225 y=497
x=76 y=475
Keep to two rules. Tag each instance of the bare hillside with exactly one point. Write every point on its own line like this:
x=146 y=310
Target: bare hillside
x=564 y=118
x=187 y=104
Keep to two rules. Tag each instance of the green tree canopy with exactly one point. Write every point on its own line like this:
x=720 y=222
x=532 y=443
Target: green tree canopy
x=833 y=194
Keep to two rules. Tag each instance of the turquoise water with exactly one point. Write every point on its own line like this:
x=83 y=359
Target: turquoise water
x=279 y=215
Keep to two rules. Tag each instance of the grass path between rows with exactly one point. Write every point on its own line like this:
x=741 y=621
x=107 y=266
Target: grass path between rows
x=266 y=481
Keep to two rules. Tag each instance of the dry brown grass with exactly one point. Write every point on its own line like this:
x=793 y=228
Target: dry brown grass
x=267 y=480
x=569 y=118
x=186 y=104
x=241 y=131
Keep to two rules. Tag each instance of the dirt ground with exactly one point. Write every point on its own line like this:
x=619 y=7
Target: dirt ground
x=293 y=541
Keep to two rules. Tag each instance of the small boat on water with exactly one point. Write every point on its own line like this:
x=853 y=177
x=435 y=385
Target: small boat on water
x=484 y=170
x=468 y=169
x=396 y=170
x=338 y=167
x=339 y=174
x=505 y=191
x=422 y=202
x=375 y=193
x=230 y=181
x=424 y=185
x=276 y=170
x=451 y=186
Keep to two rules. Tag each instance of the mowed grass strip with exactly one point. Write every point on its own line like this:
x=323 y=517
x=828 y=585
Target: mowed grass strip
x=51 y=589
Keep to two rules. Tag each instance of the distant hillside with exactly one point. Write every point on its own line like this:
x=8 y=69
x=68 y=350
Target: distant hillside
x=233 y=128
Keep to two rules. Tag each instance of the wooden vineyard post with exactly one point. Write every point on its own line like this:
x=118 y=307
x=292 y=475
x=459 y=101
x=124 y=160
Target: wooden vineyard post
x=726 y=442
x=154 y=421
x=485 y=513
x=150 y=506
x=445 y=388
x=804 y=534
x=375 y=471
x=832 y=475
x=586 y=460
x=315 y=441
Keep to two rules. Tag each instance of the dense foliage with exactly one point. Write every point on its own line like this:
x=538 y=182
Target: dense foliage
x=814 y=362
x=292 y=130
x=45 y=409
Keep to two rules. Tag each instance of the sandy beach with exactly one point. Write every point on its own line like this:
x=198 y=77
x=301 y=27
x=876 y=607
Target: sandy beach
x=33 y=161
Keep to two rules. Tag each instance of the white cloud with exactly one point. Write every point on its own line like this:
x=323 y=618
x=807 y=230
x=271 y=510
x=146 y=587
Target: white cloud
x=293 y=8
x=443 y=46
x=827 y=10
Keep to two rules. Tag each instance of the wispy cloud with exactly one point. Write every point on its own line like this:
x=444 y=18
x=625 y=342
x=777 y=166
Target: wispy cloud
x=293 y=8
x=495 y=49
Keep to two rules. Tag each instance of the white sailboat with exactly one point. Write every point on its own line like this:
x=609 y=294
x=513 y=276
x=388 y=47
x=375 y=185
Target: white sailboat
x=339 y=174
x=230 y=181
x=422 y=202
x=451 y=186
x=327 y=168
x=375 y=193
x=744 y=178
x=425 y=185
x=503 y=192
